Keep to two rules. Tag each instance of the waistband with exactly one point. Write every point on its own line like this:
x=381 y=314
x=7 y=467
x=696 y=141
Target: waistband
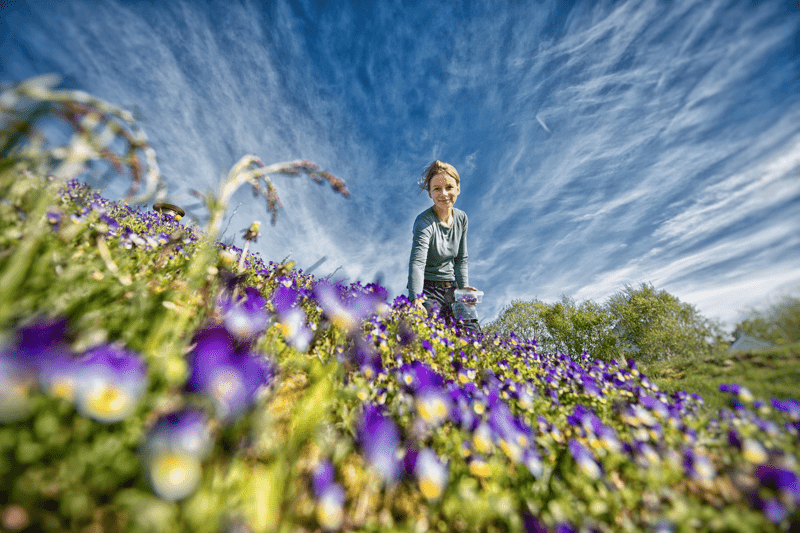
x=442 y=284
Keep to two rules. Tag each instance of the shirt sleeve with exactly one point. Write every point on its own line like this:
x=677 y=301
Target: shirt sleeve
x=460 y=260
x=419 y=257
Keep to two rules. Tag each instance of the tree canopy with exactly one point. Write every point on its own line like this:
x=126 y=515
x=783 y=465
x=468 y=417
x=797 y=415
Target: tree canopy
x=642 y=322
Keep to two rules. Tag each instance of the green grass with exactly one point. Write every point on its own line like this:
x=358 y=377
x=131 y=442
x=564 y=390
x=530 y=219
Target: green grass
x=768 y=373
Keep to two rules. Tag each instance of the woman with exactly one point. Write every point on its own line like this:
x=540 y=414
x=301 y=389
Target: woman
x=438 y=263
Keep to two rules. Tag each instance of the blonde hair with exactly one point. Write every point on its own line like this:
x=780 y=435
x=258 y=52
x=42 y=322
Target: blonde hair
x=433 y=170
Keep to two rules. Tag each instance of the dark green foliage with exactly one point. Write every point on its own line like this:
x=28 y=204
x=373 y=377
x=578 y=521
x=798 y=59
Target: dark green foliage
x=581 y=328
x=525 y=320
x=643 y=323
x=653 y=324
x=564 y=327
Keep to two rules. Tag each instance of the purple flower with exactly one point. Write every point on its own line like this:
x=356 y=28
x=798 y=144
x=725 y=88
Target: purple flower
x=173 y=452
x=405 y=335
x=245 y=317
x=322 y=477
x=564 y=527
x=697 y=465
x=779 y=479
x=111 y=222
x=366 y=358
x=533 y=462
x=531 y=523
x=416 y=376
x=330 y=507
x=410 y=460
x=111 y=380
x=791 y=407
x=379 y=438
x=734 y=438
x=59 y=374
x=348 y=312
x=432 y=405
x=295 y=330
x=17 y=386
x=655 y=405
x=584 y=459
x=283 y=299
x=431 y=474
x=231 y=378
x=40 y=336
x=774 y=510
x=54 y=219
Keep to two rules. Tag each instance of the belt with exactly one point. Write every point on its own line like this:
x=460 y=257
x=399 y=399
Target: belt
x=442 y=284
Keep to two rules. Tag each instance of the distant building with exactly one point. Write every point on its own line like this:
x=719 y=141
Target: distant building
x=745 y=342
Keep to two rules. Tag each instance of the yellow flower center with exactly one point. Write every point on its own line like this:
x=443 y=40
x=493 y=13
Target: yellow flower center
x=330 y=516
x=63 y=388
x=432 y=410
x=175 y=476
x=226 y=383
x=289 y=329
x=479 y=468
x=108 y=401
x=430 y=488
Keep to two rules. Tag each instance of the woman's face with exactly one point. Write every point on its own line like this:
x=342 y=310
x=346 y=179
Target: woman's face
x=443 y=190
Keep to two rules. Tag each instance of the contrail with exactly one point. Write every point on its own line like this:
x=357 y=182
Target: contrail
x=313 y=267
x=541 y=121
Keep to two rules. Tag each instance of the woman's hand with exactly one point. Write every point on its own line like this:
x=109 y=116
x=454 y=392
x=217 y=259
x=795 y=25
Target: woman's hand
x=470 y=300
x=418 y=303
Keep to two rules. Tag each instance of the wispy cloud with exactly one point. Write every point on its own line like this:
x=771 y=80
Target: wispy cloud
x=600 y=144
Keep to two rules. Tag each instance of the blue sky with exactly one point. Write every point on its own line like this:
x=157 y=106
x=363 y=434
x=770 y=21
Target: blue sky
x=599 y=143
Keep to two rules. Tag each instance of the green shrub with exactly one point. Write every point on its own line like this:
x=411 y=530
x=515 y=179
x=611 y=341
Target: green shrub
x=778 y=324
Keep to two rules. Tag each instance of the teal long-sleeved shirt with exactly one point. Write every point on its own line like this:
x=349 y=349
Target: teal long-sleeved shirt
x=438 y=253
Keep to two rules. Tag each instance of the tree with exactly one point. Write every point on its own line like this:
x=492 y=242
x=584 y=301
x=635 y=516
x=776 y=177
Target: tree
x=653 y=324
x=524 y=319
x=563 y=326
x=779 y=324
x=577 y=328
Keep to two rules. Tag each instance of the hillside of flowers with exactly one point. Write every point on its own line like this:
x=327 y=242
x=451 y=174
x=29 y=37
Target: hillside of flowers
x=154 y=379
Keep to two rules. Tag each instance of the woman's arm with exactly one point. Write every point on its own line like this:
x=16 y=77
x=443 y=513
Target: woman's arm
x=460 y=260
x=419 y=257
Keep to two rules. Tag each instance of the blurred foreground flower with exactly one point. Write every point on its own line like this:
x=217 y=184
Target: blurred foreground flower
x=173 y=452
x=584 y=459
x=346 y=312
x=431 y=474
x=292 y=318
x=330 y=497
x=230 y=376
x=59 y=375
x=379 y=439
x=432 y=405
x=110 y=382
x=17 y=386
x=245 y=317
x=41 y=335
